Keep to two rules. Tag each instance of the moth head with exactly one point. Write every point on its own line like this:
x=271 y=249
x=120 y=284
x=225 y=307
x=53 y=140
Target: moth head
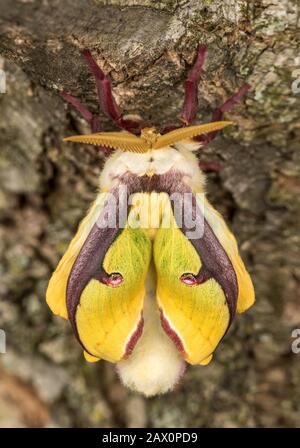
x=150 y=135
x=149 y=138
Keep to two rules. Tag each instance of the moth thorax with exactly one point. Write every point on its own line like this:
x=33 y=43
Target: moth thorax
x=150 y=211
x=150 y=135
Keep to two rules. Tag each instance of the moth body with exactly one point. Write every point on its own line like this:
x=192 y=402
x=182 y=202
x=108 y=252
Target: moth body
x=154 y=162
x=153 y=278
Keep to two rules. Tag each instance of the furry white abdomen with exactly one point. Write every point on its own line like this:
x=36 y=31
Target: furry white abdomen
x=155 y=365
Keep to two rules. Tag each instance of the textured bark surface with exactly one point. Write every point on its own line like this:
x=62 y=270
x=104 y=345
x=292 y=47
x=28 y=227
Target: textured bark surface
x=46 y=187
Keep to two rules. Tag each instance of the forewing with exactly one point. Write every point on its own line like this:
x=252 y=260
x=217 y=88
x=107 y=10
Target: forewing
x=195 y=317
x=108 y=319
x=106 y=315
x=201 y=280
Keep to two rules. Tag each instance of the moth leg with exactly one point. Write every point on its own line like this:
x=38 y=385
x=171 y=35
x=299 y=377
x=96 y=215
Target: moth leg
x=90 y=118
x=210 y=166
x=106 y=99
x=168 y=128
x=190 y=105
x=219 y=112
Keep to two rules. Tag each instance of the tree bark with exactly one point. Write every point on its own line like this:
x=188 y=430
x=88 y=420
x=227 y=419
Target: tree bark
x=147 y=48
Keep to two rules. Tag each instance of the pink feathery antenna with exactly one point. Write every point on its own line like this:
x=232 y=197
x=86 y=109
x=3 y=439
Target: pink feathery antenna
x=111 y=109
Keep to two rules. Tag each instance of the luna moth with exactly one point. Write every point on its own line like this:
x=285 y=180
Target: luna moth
x=140 y=287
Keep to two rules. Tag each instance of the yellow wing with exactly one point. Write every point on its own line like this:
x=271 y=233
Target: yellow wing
x=109 y=319
x=105 y=313
x=200 y=284
x=196 y=317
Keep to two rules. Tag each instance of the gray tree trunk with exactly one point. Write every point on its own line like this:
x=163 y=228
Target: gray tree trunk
x=46 y=187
